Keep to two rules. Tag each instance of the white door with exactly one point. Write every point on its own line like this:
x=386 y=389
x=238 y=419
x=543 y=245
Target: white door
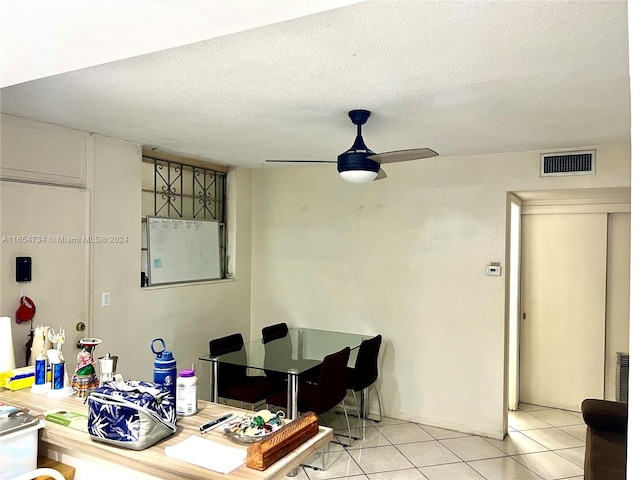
x=50 y=225
x=563 y=294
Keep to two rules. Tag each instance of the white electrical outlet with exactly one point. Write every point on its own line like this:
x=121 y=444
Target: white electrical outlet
x=106 y=299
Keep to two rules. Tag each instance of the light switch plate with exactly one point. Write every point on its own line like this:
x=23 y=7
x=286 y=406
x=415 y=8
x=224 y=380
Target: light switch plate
x=106 y=299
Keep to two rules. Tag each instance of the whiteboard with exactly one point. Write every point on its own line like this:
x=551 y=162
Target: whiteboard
x=182 y=250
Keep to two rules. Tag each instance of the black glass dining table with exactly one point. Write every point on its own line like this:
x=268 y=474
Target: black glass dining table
x=298 y=353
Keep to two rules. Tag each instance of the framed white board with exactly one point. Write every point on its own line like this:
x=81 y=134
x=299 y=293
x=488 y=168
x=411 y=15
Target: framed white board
x=182 y=250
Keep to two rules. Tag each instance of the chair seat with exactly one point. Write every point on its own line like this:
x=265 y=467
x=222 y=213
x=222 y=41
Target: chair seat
x=251 y=389
x=355 y=381
x=233 y=381
x=308 y=399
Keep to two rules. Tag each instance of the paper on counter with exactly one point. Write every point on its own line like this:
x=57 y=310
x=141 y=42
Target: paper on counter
x=208 y=454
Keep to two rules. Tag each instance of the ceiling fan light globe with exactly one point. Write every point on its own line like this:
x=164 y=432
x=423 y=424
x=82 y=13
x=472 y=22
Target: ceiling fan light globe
x=355 y=167
x=358 y=176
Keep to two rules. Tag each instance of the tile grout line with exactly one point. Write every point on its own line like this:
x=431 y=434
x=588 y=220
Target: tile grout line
x=379 y=431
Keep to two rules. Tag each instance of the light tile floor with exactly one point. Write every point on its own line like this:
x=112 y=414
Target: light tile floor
x=543 y=443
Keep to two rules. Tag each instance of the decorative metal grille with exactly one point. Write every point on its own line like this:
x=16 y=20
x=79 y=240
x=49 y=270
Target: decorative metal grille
x=168 y=191
x=179 y=190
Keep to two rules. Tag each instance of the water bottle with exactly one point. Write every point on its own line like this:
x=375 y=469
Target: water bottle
x=164 y=367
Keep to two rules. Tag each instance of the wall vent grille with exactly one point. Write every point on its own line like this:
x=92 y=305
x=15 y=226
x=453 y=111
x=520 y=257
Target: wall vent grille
x=568 y=163
x=622 y=377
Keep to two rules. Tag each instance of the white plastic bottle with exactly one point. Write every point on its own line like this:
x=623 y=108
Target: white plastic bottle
x=186 y=393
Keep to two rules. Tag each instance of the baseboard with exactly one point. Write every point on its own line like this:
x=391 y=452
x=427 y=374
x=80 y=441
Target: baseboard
x=495 y=434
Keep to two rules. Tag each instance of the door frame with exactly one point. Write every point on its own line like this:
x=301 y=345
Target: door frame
x=609 y=200
x=512 y=293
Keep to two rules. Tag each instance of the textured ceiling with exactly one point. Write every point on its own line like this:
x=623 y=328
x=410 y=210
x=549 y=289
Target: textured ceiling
x=40 y=38
x=459 y=77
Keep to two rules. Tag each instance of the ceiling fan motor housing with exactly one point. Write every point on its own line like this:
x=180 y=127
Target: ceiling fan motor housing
x=356 y=158
x=357 y=161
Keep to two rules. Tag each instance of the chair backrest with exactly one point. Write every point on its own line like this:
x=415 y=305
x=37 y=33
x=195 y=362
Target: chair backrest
x=228 y=374
x=222 y=345
x=273 y=332
x=277 y=347
x=332 y=380
x=366 y=368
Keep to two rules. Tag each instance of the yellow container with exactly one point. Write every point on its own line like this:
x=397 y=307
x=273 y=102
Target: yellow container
x=18 y=378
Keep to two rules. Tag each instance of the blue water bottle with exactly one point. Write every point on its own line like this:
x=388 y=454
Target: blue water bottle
x=164 y=367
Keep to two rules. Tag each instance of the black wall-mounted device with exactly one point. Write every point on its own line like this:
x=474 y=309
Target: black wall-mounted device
x=23 y=269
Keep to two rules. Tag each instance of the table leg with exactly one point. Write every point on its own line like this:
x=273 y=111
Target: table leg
x=214 y=380
x=300 y=345
x=292 y=393
x=292 y=404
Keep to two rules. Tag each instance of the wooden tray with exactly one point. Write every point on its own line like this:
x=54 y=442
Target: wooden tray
x=266 y=452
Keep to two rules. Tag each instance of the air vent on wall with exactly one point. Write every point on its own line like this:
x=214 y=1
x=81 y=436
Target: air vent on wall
x=568 y=163
x=622 y=377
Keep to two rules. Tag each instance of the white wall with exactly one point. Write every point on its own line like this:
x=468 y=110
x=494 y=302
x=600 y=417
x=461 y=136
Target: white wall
x=185 y=316
x=35 y=217
x=405 y=257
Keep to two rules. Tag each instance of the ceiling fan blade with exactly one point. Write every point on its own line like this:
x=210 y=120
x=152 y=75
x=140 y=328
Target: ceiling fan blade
x=381 y=175
x=301 y=161
x=403 y=155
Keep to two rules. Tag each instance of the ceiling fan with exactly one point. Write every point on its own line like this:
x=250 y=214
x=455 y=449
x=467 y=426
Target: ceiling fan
x=361 y=165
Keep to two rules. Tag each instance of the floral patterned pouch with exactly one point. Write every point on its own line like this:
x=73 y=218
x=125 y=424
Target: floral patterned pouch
x=131 y=414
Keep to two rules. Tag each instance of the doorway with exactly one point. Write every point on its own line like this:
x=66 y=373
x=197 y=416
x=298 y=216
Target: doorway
x=542 y=350
x=54 y=221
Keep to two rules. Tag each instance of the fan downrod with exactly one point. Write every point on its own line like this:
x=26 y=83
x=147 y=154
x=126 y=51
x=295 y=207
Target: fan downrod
x=359 y=117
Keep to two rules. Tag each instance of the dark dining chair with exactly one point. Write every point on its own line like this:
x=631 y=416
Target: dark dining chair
x=278 y=352
x=327 y=393
x=273 y=332
x=233 y=381
x=276 y=348
x=364 y=375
